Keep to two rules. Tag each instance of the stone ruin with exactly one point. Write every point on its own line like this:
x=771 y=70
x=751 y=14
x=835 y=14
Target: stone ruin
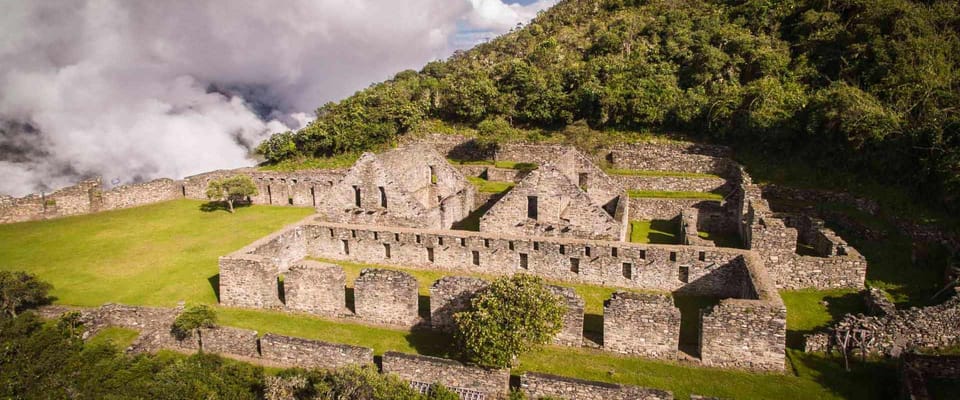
x=450 y=295
x=409 y=186
x=647 y=325
x=316 y=288
x=387 y=297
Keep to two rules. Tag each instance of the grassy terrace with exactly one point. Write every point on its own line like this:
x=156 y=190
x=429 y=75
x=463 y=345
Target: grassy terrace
x=159 y=254
x=650 y=173
x=658 y=231
x=520 y=166
x=654 y=194
x=485 y=186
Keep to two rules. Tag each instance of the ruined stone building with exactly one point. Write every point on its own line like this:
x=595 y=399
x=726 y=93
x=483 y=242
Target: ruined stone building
x=410 y=186
x=548 y=203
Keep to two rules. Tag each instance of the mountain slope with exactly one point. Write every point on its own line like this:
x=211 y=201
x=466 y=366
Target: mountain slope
x=870 y=86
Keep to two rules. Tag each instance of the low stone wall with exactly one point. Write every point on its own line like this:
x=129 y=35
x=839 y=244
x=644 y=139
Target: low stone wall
x=233 y=341
x=714 y=184
x=305 y=353
x=536 y=385
x=386 y=297
x=139 y=194
x=916 y=369
x=450 y=295
x=248 y=281
x=641 y=324
x=82 y=198
x=493 y=383
x=891 y=334
x=316 y=288
x=644 y=208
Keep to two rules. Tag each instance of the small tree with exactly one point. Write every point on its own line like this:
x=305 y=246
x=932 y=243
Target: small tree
x=192 y=320
x=511 y=316
x=19 y=290
x=231 y=189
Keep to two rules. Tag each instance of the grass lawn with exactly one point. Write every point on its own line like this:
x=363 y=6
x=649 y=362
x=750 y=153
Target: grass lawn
x=809 y=311
x=338 y=161
x=162 y=253
x=119 y=337
x=485 y=186
x=638 y=172
x=152 y=255
x=655 y=194
x=658 y=231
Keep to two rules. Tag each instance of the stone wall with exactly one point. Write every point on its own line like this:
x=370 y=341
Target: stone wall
x=139 y=194
x=683 y=157
x=891 y=334
x=248 y=281
x=571 y=334
x=744 y=334
x=450 y=295
x=713 y=184
x=646 y=208
x=647 y=325
x=536 y=385
x=315 y=288
x=386 y=297
x=547 y=203
x=82 y=198
x=618 y=264
x=305 y=353
x=494 y=383
x=916 y=369
x=232 y=341
x=302 y=188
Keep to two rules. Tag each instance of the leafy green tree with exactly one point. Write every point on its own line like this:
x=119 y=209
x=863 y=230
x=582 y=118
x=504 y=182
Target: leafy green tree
x=440 y=392
x=279 y=147
x=232 y=189
x=20 y=290
x=194 y=320
x=510 y=317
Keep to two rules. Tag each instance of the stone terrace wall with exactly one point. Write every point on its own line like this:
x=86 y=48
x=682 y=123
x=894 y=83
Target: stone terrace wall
x=295 y=188
x=571 y=334
x=645 y=208
x=674 y=183
x=642 y=324
x=386 y=297
x=431 y=370
x=82 y=198
x=135 y=195
x=316 y=288
x=305 y=353
x=233 y=341
x=536 y=385
x=641 y=266
x=915 y=328
x=450 y=295
x=685 y=157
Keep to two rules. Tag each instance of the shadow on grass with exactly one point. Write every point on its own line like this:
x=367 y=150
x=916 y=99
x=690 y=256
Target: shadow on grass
x=865 y=380
x=215 y=206
x=431 y=343
x=664 y=231
x=215 y=285
x=837 y=307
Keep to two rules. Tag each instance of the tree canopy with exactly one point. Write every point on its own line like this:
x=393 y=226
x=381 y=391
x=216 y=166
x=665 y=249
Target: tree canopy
x=231 y=189
x=193 y=320
x=20 y=290
x=867 y=86
x=510 y=317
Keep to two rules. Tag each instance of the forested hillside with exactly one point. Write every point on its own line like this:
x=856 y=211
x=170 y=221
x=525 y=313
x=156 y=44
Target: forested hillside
x=866 y=86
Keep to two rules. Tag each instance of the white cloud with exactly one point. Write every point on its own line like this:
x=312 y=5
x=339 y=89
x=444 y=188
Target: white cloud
x=122 y=88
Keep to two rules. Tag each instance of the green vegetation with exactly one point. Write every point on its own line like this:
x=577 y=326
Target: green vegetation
x=120 y=338
x=655 y=194
x=638 y=172
x=20 y=290
x=231 y=190
x=512 y=316
x=152 y=255
x=863 y=87
x=485 y=186
x=192 y=321
x=809 y=311
x=658 y=231
x=295 y=164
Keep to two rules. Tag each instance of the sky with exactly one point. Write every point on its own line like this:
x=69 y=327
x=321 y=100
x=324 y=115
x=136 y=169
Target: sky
x=133 y=90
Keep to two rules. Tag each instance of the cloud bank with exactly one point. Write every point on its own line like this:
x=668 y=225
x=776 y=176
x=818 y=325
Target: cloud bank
x=139 y=89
